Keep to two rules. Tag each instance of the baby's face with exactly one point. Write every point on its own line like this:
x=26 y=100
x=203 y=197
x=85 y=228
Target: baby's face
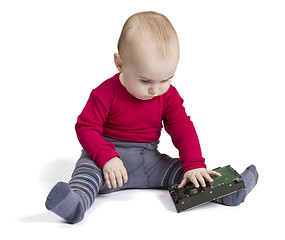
x=146 y=75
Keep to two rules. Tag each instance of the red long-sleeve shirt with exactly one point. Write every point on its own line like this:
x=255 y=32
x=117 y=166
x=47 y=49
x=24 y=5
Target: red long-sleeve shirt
x=111 y=111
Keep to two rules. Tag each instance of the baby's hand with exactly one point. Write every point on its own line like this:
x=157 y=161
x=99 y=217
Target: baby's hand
x=114 y=171
x=196 y=175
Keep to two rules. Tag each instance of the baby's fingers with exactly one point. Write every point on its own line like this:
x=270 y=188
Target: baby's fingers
x=118 y=178
x=107 y=180
x=183 y=183
x=124 y=174
x=214 y=173
x=210 y=172
x=194 y=180
x=201 y=180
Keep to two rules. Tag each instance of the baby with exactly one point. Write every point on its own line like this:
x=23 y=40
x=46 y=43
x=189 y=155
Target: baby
x=120 y=126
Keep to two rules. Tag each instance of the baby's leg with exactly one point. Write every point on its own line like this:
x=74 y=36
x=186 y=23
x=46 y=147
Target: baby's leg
x=71 y=200
x=250 y=178
x=146 y=167
x=163 y=170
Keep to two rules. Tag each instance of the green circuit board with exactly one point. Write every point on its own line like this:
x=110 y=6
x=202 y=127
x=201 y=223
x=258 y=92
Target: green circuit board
x=228 y=175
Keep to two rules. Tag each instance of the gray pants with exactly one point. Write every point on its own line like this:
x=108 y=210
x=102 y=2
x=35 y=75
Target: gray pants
x=146 y=168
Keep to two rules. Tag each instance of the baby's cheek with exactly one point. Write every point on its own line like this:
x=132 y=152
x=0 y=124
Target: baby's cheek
x=165 y=89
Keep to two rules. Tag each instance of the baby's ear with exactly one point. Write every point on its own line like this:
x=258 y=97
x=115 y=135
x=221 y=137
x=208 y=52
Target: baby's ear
x=118 y=62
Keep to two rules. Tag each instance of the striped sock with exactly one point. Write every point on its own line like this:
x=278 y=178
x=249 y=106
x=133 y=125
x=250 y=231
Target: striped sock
x=65 y=203
x=86 y=181
x=71 y=200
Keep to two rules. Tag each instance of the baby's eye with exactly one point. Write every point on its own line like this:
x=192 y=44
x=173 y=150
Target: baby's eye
x=165 y=81
x=145 y=81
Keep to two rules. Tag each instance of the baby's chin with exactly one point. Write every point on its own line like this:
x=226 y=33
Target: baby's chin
x=145 y=98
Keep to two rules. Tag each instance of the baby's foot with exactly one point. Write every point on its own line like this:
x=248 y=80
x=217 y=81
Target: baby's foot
x=63 y=201
x=250 y=178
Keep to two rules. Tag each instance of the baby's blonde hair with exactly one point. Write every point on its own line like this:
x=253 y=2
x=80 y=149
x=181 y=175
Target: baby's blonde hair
x=148 y=24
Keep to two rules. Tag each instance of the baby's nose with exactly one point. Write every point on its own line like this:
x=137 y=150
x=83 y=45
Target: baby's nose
x=154 y=90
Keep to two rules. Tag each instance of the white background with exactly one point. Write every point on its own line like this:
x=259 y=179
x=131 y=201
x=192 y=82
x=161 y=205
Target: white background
x=231 y=74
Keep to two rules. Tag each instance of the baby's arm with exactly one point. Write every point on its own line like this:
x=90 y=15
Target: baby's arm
x=89 y=127
x=196 y=175
x=114 y=171
x=183 y=134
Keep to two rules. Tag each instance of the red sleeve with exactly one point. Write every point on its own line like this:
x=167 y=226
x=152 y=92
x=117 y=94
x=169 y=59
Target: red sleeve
x=89 y=127
x=183 y=134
